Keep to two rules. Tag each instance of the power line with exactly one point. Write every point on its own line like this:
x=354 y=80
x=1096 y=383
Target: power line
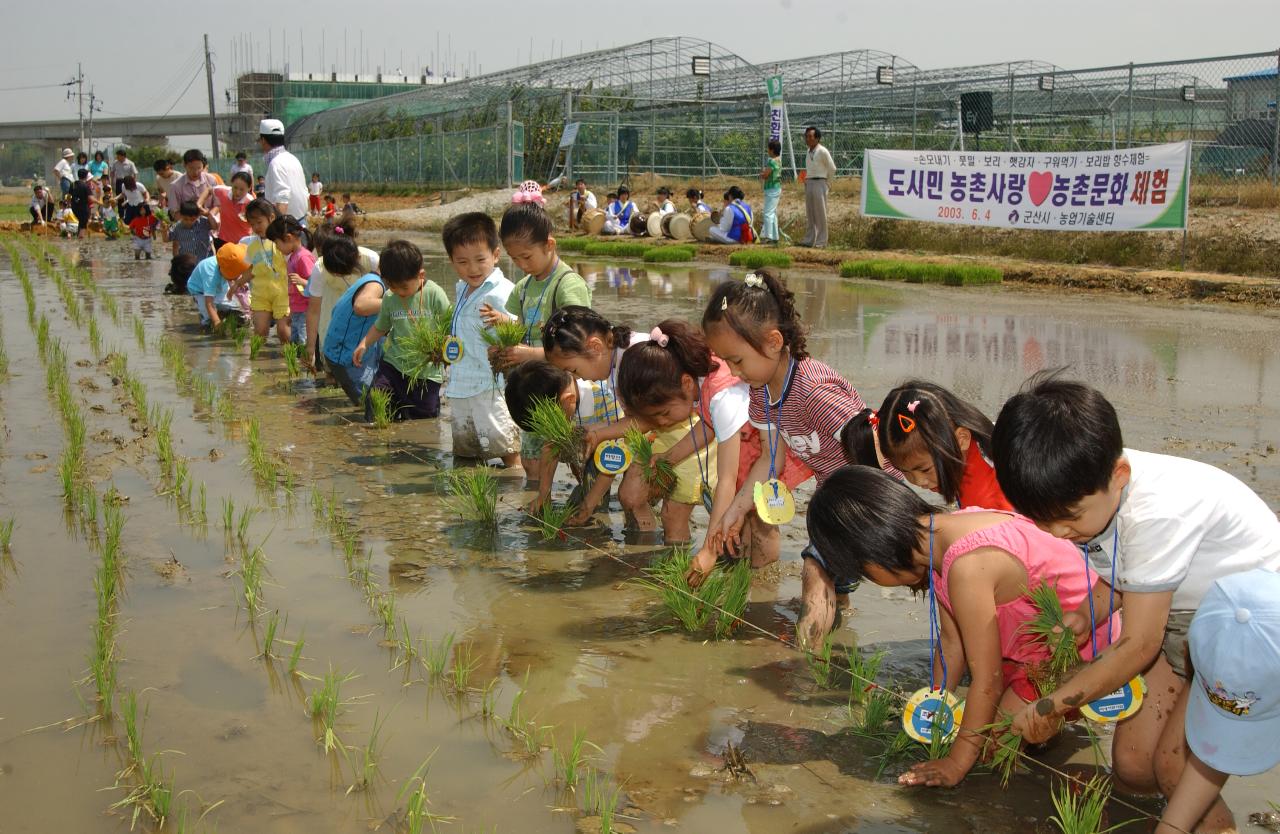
x=36 y=87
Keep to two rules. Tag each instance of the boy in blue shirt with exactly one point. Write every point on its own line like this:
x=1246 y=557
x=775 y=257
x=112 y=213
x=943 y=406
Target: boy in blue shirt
x=209 y=281
x=478 y=415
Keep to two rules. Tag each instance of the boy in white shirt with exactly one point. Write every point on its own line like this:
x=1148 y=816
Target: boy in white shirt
x=1159 y=531
x=481 y=424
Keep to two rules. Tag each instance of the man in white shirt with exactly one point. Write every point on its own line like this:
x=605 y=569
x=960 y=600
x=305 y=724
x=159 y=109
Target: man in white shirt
x=580 y=199
x=62 y=170
x=819 y=168
x=286 y=183
x=242 y=164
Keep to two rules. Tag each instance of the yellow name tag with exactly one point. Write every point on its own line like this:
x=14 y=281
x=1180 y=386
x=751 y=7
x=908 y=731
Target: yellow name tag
x=1118 y=705
x=774 y=503
x=612 y=457
x=930 y=711
x=452 y=350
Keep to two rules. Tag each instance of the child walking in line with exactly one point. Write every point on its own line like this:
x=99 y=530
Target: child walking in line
x=582 y=401
x=409 y=294
x=936 y=440
x=797 y=402
x=979 y=565
x=481 y=424
x=1158 y=529
x=1233 y=712
x=270 y=274
x=286 y=233
x=672 y=381
x=549 y=284
x=142 y=228
x=192 y=234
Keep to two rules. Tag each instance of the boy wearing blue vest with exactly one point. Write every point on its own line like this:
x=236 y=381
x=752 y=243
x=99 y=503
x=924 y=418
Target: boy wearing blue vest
x=618 y=214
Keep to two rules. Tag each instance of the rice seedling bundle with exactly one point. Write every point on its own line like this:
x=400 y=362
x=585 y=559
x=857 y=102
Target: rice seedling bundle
x=475 y=492
x=551 y=519
x=669 y=254
x=380 y=407
x=1081 y=808
x=548 y=421
x=256 y=344
x=1047 y=627
x=423 y=345
x=292 y=353
x=718 y=602
x=615 y=249
x=756 y=258
x=660 y=476
x=503 y=335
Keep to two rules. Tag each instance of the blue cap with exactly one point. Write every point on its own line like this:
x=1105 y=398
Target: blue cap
x=1233 y=712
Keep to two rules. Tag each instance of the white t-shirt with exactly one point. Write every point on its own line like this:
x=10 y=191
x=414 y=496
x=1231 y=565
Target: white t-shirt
x=287 y=184
x=585 y=200
x=242 y=166
x=315 y=188
x=133 y=196
x=316 y=283
x=729 y=410
x=667 y=207
x=1182 y=525
x=63 y=169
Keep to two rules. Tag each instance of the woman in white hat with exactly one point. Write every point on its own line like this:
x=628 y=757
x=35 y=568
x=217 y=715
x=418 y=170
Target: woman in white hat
x=62 y=170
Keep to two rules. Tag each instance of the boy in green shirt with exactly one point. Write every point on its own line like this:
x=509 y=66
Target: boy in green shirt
x=409 y=294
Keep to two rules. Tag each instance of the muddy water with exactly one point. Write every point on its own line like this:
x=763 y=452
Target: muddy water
x=560 y=620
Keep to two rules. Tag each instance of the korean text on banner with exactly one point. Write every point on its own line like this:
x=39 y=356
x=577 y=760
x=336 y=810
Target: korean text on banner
x=1136 y=189
x=776 y=117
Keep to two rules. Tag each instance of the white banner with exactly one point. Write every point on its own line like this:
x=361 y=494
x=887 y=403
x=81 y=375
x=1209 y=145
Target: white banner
x=1137 y=189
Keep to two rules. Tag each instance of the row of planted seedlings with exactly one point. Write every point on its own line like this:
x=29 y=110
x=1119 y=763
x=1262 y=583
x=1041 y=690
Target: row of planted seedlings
x=325 y=702
x=149 y=791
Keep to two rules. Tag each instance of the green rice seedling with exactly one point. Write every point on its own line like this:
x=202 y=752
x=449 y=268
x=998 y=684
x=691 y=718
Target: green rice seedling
x=380 y=407
x=252 y=568
x=820 y=665
x=256 y=344
x=549 y=423
x=475 y=493
x=296 y=654
x=202 y=508
x=153 y=795
x=876 y=712
x=369 y=756
x=42 y=335
x=317 y=502
x=323 y=705
x=1081 y=808
x=406 y=645
x=503 y=335
x=242 y=526
x=939 y=744
x=615 y=249
x=569 y=763
x=237 y=333
x=972 y=275
x=423 y=345
x=4 y=362
x=733 y=600
x=669 y=254
x=384 y=605
x=489 y=698
x=1006 y=747
x=660 y=476
x=417 y=812
x=292 y=353
x=140 y=333
x=228 y=513
x=132 y=729
x=435 y=658
x=6 y=533
x=897 y=748
x=863 y=669
x=88 y=507
x=67 y=471
x=1047 y=627
x=102 y=661
x=464 y=663
x=269 y=636
x=666 y=577
x=572 y=244
x=756 y=258
x=95 y=338
x=551 y=519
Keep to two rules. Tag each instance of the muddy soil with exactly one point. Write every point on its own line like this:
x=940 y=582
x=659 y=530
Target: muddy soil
x=562 y=622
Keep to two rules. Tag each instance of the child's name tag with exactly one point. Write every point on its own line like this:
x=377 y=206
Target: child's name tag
x=774 y=503
x=612 y=457
x=1118 y=705
x=452 y=350
x=932 y=711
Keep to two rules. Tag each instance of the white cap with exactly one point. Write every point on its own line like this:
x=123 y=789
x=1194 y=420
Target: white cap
x=271 y=127
x=66 y=152
x=1233 y=713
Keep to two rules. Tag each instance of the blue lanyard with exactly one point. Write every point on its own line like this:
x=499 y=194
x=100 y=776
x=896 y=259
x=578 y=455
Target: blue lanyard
x=935 y=628
x=1111 y=599
x=607 y=390
x=768 y=420
x=524 y=295
x=458 y=308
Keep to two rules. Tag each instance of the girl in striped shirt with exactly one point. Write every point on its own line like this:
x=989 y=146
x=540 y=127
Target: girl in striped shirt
x=795 y=400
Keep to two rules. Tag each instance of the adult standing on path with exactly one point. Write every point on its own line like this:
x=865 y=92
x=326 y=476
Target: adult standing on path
x=819 y=168
x=62 y=170
x=286 y=183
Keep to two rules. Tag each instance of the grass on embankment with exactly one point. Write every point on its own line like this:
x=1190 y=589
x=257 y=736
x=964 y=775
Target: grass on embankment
x=915 y=272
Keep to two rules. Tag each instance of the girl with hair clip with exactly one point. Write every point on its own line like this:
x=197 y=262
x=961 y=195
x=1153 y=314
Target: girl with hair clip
x=339 y=265
x=938 y=441
x=978 y=565
x=672 y=381
x=797 y=403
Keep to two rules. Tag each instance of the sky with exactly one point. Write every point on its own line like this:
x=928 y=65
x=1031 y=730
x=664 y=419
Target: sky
x=165 y=74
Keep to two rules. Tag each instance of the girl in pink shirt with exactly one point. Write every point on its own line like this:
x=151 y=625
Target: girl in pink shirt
x=979 y=564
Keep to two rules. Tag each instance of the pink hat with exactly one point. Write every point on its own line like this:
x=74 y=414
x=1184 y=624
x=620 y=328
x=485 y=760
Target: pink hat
x=529 y=192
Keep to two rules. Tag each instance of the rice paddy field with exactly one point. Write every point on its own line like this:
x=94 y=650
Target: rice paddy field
x=231 y=605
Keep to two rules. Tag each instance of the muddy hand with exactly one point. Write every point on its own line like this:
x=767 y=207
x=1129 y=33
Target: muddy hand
x=1037 y=722
x=817 y=605
x=580 y=517
x=942 y=773
x=700 y=568
x=1078 y=624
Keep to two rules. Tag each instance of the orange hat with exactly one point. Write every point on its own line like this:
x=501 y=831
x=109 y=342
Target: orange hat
x=232 y=262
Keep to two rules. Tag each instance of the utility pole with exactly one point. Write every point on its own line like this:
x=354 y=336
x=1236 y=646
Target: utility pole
x=93 y=107
x=80 y=99
x=213 y=116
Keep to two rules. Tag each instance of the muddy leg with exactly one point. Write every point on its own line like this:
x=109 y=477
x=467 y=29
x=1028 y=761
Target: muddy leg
x=765 y=542
x=1171 y=758
x=1133 y=751
x=675 y=521
x=261 y=323
x=817 y=604
x=634 y=496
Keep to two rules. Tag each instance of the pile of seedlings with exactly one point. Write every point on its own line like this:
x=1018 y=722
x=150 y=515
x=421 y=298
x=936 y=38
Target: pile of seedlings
x=719 y=602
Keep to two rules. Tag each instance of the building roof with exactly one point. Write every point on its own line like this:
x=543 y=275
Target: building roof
x=1253 y=76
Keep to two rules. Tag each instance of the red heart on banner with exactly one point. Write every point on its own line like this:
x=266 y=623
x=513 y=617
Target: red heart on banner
x=1039 y=185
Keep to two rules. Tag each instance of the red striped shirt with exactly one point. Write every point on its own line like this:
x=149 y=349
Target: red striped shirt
x=814 y=408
